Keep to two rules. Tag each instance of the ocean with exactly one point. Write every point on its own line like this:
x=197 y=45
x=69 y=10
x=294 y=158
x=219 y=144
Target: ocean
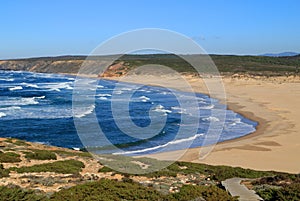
x=37 y=107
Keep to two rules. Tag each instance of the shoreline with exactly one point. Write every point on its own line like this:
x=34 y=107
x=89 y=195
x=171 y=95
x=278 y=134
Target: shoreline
x=268 y=148
x=256 y=98
x=275 y=145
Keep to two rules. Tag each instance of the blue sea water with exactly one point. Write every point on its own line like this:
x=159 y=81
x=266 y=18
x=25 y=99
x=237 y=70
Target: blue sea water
x=38 y=107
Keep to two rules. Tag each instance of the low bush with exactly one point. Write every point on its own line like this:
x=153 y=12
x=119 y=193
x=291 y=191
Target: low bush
x=286 y=193
x=3 y=172
x=37 y=154
x=16 y=193
x=208 y=193
x=108 y=190
x=64 y=167
x=9 y=157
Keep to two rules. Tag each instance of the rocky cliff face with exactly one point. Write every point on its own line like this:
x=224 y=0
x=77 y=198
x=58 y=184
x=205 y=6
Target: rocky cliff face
x=66 y=64
x=44 y=65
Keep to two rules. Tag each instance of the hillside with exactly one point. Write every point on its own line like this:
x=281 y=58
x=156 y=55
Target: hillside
x=256 y=65
x=31 y=171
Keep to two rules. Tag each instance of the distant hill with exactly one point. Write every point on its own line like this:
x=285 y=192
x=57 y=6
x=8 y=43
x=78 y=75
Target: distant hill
x=282 y=54
x=256 y=65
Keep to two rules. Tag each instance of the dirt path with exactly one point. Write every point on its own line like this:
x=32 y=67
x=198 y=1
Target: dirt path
x=235 y=188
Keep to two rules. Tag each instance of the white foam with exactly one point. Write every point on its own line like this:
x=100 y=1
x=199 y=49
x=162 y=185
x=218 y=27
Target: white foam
x=102 y=98
x=174 y=142
x=180 y=110
x=7 y=79
x=30 y=85
x=118 y=92
x=104 y=95
x=29 y=101
x=207 y=107
x=57 y=86
x=21 y=101
x=160 y=108
x=16 y=88
x=2 y=114
x=144 y=98
x=213 y=119
x=40 y=97
x=10 y=108
x=81 y=112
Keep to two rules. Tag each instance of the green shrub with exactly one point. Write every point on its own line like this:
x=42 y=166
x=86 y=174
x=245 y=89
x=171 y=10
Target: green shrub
x=20 y=143
x=9 y=157
x=16 y=193
x=3 y=172
x=107 y=190
x=105 y=169
x=286 y=193
x=37 y=154
x=64 y=167
x=209 y=193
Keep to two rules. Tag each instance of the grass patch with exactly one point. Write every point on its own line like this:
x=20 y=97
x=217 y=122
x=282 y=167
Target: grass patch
x=9 y=157
x=64 y=167
x=37 y=154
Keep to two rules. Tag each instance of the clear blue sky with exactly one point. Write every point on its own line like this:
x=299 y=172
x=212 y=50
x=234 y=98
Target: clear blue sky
x=58 y=27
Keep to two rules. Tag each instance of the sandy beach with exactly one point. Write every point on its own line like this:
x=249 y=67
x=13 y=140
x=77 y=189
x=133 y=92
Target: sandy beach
x=272 y=102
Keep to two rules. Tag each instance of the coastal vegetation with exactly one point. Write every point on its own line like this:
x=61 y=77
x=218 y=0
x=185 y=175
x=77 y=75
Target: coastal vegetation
x=75 y=175
x=64 y=167
x=37 y=154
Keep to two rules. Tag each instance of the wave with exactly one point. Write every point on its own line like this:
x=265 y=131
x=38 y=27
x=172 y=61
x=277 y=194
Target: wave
x=180 y=110
x=102 y=98
x=101 y=95
x=174 y=142
x=82 y=112
x=2 y=114
x=57 y=86
x=213 y=119
x=144 y=98
x=16 y=88
x=208 y=107
x=29 y=85
x=10 y=108
x=160 y=108
x=21 y=101
x=7 y=79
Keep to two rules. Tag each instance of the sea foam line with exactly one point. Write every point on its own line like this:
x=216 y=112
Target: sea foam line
x=160 y=146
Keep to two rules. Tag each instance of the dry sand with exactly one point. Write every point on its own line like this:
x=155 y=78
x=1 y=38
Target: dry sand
x=273 y=102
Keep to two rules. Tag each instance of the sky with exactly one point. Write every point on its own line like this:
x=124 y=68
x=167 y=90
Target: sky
x=35 y=28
